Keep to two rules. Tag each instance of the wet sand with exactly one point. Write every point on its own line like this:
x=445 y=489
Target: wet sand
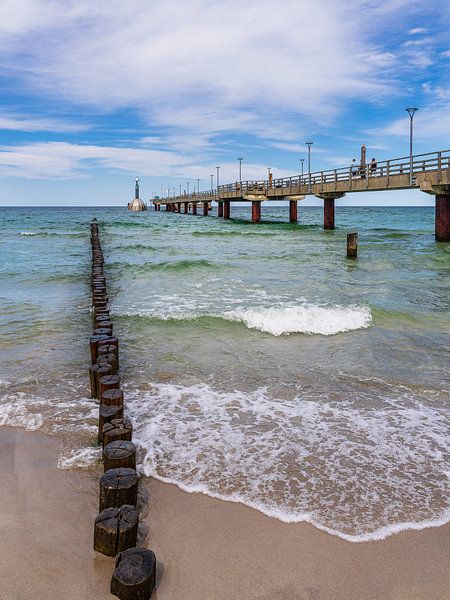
x=207 y=549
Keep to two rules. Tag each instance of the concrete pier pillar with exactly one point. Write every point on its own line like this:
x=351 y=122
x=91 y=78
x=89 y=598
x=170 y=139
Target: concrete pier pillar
x=194 y=208
x=226 y=209
x=256 y=211
x=293 y=211
x=186 y=208
x=328 y=213
x=442 y=218
x=220 y=209
x=178 y=207
x=205 y=208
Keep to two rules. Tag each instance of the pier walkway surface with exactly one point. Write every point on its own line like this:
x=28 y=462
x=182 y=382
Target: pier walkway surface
x=428 y=172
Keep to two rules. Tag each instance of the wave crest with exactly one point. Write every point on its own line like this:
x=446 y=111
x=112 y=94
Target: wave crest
x=309 y=319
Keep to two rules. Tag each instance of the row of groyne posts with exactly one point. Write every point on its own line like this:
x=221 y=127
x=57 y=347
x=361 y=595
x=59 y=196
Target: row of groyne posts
x=116 y=525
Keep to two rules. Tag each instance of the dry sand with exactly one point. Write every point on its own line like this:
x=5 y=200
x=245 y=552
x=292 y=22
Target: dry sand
x=207 y=549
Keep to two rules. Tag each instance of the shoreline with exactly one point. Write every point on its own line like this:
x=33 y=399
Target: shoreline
x=207 y=548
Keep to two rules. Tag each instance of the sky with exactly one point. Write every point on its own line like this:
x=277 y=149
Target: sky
x=94 y=94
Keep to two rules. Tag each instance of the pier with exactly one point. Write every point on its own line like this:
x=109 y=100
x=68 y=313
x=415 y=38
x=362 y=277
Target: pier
x=429 y=173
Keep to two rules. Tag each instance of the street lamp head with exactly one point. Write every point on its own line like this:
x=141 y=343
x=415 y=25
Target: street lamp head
x=411 y=110
x=309 y=143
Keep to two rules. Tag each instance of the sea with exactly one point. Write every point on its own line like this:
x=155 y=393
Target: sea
x=259 y=364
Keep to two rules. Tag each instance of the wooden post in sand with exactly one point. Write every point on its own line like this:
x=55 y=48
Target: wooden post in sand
x=134 y=575
x=118 y=487
x=352 y=245
x=115 y=530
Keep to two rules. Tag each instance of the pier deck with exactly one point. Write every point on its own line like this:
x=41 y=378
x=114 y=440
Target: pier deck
x=428 y=172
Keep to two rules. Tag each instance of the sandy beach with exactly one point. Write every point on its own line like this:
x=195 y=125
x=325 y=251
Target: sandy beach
x=206 y=548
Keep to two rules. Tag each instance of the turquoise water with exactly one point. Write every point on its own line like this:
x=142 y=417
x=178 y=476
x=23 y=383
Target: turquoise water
x=260 y=364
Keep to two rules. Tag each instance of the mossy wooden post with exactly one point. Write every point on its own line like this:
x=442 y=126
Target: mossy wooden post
x=352 y=245
x=134 y=575
x=118 y=487
x=120 y=453
x=116 y=529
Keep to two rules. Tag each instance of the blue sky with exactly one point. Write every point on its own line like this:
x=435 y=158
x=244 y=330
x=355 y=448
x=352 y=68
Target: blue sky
x=95 y=93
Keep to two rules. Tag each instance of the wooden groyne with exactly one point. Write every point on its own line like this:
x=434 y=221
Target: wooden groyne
x=116 y=525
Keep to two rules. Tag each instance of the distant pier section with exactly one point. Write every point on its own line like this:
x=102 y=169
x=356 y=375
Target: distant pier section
x=137 y=205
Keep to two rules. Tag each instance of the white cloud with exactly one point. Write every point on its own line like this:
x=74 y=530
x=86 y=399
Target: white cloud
x=417 y=30
x=61 y=160
x=20 y=123
x=200 y=66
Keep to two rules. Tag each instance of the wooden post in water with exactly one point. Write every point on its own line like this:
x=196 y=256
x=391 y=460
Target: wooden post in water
x=120 y=453
x=226 y=209
x=352 y=245
x=194 y=208
x=220 y=209
x=186 y=206
x=293 y=211
x=117 y=429
x=256 y=211
x=205 y=208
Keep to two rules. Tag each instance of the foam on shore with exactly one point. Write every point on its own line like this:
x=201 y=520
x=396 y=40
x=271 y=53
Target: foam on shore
x=380 y=469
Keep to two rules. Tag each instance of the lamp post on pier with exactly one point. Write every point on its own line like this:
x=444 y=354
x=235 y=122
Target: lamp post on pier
x=187 y=188
x=411 y=110
x=240 y=172
x=309 y=144
x=217 y=176
x=212 y=181
x=180 y=189
x=302 y=160
x=198 y=187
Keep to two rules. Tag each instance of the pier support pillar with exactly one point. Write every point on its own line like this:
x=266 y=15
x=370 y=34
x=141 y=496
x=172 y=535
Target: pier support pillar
x=186 y=208
x=328 y=213
x=194 y=208
x=256 y=211
x=293 y=211
x=178 y=207
x=205 y=208
x=220 y=209
x=442 y=218
x=226 y=209
x=328 y=207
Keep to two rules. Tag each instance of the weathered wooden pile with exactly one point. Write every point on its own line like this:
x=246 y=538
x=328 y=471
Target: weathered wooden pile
x=116 y=525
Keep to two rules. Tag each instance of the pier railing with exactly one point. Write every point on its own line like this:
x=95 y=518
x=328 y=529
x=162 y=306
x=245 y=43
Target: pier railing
x=434 y=161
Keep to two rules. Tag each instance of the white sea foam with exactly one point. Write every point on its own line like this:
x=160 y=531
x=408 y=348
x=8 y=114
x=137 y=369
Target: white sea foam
x=29 y=233
x=361 y=468
x=307 y=318
x=80 y=458
x=19 y=409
